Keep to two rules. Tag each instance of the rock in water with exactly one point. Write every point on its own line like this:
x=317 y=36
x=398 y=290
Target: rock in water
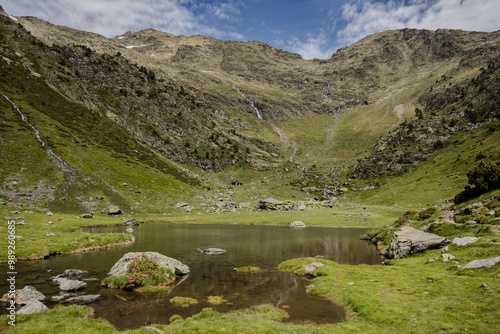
x=297 y=223
x=69 y=284
x=212 y=251
x=409 y=241
x=132 y=221
x=25 y=295
x=82 y=299
x=120 y=268
x=73 y=272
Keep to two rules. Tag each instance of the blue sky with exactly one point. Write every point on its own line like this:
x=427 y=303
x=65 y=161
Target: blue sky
x=312 y=28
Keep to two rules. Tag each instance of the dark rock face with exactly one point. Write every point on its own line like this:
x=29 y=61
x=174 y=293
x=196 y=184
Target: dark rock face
x=408 y=241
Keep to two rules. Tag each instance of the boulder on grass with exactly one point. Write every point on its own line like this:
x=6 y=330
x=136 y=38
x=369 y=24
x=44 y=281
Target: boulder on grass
x=408 y=241
x=33 y=306
x=114 y=211
x=485 y=263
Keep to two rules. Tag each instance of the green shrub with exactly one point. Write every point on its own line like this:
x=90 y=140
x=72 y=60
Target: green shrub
x=426 y=214
x=483 y=177
x=143 y=270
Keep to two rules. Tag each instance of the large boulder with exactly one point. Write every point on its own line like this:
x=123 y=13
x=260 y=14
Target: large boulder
x=120 y=268
x=25 y=295
x=409 y=241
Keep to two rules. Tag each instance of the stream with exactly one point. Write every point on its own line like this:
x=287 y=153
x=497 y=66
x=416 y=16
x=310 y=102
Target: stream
x=37 y=135
x=284 y=138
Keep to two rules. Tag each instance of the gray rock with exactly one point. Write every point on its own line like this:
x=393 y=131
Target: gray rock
x=25 y=295
x=33 y=306
x=409 y=241
x=212 y=251
x=49 y=214
x=82 y=299
x=270 y=204
x=132 y=221
x=297 y=223
x=87 y=215
x=130 y=230
x=69 y=284
x=464 y=241
x=120 y=268
x=114 y=211
x=447 y=257
x=73 y=272
x=469 y=209
x=313 y=266
x=485 y=263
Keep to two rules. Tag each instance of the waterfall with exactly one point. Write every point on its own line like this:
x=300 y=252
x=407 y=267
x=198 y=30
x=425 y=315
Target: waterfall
x=37 y=134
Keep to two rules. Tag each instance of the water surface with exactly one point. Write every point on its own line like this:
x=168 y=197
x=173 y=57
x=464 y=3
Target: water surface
x=259 y=246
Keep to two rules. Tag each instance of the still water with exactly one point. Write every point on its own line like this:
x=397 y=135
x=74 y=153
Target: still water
x=211 y=275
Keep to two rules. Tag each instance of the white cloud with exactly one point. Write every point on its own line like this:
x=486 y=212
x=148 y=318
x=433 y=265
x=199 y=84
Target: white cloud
x=317 y=46
x=114 y=17
x=368 y=17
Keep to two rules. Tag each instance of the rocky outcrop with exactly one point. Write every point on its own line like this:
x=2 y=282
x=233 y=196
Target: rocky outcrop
x=212 y=251
x=408 y=241
x=120 y=268
x=185 y=206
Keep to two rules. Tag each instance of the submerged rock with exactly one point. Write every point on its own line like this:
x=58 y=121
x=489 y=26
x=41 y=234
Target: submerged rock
x=409 y=241
x=212 y=251
x=82 y=299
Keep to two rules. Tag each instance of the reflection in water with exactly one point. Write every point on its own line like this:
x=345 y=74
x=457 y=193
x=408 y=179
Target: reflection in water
x=259 y=246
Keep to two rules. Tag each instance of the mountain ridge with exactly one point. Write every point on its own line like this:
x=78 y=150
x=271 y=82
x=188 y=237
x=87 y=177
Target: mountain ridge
x=187 y=99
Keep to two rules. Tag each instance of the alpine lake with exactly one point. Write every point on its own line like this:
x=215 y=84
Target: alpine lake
x=264 y=247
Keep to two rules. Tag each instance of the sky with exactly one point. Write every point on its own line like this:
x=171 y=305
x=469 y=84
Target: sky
x=312 y=28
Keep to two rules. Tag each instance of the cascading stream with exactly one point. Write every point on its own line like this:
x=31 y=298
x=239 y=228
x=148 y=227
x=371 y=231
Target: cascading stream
x=37 y=135
x=284 y=138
